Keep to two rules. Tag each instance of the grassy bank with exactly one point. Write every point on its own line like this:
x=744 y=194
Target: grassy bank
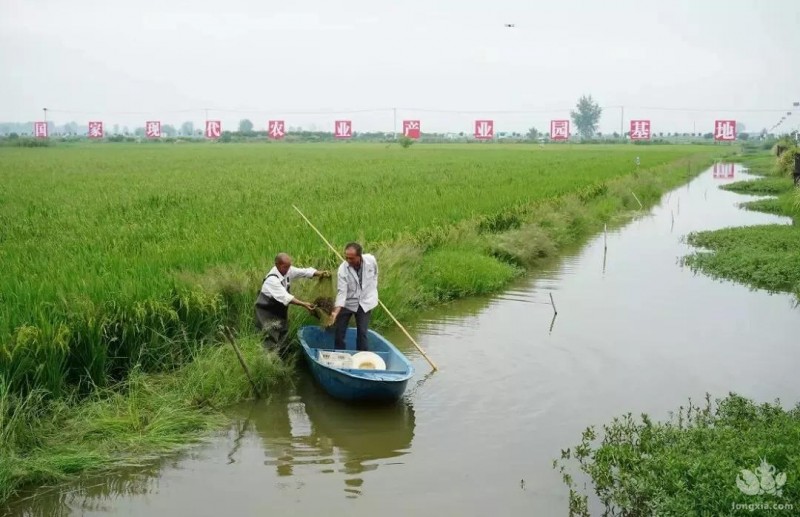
x=693 y=464
x=707 y=460
x=124 y=262
x=45 y=440
x=764 y=256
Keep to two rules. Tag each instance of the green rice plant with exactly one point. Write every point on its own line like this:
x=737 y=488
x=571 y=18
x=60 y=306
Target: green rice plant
x=98 y=241
x=214 y=377
x=450 y=274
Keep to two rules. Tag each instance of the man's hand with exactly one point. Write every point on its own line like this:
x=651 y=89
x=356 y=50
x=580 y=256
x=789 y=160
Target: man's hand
x=323 y=273
x=309 y=307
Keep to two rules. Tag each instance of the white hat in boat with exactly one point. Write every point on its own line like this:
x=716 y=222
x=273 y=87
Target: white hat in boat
x=368 y=361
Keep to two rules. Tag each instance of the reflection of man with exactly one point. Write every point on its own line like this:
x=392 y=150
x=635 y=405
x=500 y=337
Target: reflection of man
x=357 y=294
x=272 y=304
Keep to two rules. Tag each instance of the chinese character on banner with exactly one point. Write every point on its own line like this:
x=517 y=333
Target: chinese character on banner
x=724 y=170
x=559 y=129
x=411 y=128
x=276 y=129
x=95 y=130
x=640 y=130
x=343 y=129
x=152 y=129
x=40 y=129
x=725 y=130
x=213 y=128
x=484 y=129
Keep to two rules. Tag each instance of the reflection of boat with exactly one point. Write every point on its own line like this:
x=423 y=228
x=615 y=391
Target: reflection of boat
x=309 y=429
x=352 y=384
x=361 y=432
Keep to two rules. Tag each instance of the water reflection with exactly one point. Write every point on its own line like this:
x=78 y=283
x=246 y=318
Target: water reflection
x=300 y=434
x=724 y=170
x=95 y=494
x=307 y=429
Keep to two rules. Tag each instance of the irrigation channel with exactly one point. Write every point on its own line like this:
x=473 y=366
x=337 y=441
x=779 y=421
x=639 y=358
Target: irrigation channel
x=635 y=331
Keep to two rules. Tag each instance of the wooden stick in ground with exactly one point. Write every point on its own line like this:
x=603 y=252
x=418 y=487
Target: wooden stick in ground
x=226 y=332
x=637 y=200
x=421 y=351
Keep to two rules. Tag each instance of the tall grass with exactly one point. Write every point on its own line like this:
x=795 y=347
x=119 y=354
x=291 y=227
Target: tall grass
x=44 y=440
x=133 y=255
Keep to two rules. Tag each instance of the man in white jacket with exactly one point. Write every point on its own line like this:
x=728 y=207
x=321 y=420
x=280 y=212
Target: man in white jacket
x=357 y=294
x=272 y=304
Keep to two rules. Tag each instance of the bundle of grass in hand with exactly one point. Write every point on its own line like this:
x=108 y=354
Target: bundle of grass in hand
x=324 y=301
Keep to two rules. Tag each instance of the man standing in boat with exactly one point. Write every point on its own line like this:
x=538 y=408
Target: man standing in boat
x=357 y=294
x=272 y=304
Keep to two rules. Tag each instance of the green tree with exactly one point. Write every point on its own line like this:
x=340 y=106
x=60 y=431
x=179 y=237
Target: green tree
x=405 y=142
x=533 y=134
x=169 y=130
x=586 y=116
x=187 y=128
x=245 y=126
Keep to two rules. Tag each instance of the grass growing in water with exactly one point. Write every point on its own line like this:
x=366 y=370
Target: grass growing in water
x=767 y=256
x=688 y=465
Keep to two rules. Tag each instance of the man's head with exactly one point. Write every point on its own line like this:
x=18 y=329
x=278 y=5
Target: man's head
x=283 y=262
x=352 y=254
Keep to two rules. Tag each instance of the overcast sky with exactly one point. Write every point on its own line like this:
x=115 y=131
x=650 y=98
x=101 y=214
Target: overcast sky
x=126 y=62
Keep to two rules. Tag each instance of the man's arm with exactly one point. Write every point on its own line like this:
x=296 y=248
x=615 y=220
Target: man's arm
x=275 y=289
x=341 y=291
x=309 y=272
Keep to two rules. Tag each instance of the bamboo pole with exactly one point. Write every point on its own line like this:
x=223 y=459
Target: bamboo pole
x=227 y=333
x=380 y=302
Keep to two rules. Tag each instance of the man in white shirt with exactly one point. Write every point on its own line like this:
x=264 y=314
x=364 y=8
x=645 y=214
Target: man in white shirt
x=357 y=294
x=272 y=304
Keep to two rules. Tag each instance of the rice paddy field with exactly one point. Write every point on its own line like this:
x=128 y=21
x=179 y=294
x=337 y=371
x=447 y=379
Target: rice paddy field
x=107 y=250
x=121 y=263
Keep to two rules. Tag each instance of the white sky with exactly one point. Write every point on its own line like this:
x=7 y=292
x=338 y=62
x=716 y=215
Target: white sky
x=101 y=59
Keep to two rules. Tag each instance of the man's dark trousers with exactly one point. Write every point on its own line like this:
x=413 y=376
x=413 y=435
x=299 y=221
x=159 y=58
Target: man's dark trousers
x=362 y=324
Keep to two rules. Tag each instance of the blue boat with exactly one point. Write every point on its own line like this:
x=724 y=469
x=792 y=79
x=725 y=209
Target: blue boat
x=356 y=385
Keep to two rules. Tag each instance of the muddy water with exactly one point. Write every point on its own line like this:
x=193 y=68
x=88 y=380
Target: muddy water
x=635 y=332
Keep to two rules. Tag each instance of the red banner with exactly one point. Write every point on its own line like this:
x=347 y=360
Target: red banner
x=640 y=130
x=95 y=129
x=725 y=130
x=152 y=129
x=343 y=129
x=559 y=130
x=484 y=129
x=411 y=129
x=213 y=129
x=40 y=129
x=276 y=129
